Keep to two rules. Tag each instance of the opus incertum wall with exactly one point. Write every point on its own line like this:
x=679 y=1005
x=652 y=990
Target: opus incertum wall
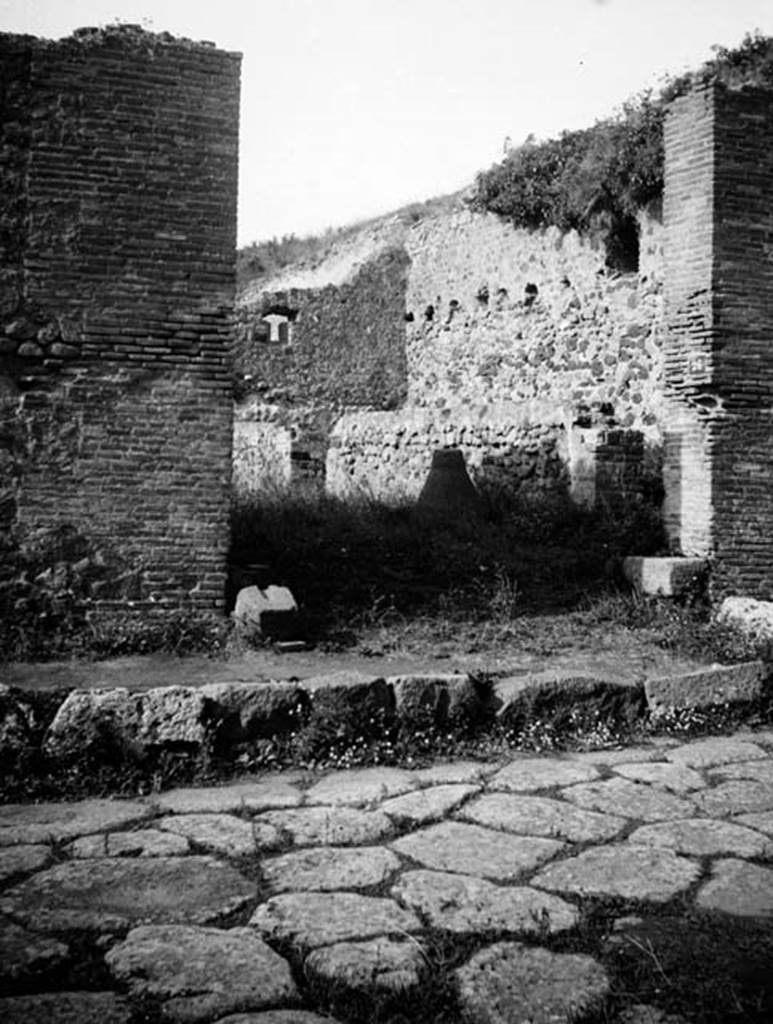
x=117 y=255
x=519 y=347
x=719 y=352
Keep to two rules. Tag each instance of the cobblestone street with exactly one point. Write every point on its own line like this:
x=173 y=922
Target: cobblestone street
x=249 y=902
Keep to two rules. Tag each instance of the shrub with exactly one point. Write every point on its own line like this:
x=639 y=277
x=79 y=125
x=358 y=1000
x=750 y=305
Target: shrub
x=599 y=177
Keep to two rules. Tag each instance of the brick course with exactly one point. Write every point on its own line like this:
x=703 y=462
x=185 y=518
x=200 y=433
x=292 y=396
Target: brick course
x=719 y=354
x=118 y=271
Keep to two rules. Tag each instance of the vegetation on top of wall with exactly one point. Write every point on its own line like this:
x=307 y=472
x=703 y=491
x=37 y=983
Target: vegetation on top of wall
x=264 y=260
x=595 y=177
x=601 y=176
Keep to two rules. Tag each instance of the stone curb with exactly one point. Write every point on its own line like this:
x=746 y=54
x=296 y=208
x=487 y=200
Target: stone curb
x=225 y=716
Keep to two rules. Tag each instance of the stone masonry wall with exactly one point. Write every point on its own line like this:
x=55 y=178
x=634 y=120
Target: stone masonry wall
x=344 y=346
x=509 y=339
x=719 y=366
x=504 y=314
x=118 y=270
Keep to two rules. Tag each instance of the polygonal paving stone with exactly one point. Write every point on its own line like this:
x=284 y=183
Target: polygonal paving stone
x=143 y=842
x=762 y=771
x=541 y=816
x=704 y=837
x=508 y=982
x=223 y=833
x=738 y=796
x=738 y=888
x=530 y=773
x=472 y=850
x=276 y=1017
x=201 y=972
x=22 y=952
x=239 y=796
x=633 y=872
x=473 y=906
x=55 y=822
x=653 y=752
x=717 y=750
x=629 y=799
x=322 y=918
x=106 y=894
x=762 y=821
x=65 y=1008
x=360 y=786
x=328 y=868
x=429 y=804
x=391 y=965
x=676 y=777
x=326 y=826
x=15 y=860
x=453 y=772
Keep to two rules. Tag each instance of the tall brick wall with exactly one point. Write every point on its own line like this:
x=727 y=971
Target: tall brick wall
x=118 y=270
x=719 y=353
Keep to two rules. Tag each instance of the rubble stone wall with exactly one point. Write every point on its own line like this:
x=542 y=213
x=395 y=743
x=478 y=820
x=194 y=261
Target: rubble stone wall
x=502 y=340
x=118 y=270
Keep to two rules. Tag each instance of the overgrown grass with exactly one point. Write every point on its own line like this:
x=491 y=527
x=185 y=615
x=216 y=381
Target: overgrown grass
x=355 y=564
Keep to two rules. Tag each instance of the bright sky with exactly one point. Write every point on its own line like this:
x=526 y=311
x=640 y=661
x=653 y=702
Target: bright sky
x=351 y=108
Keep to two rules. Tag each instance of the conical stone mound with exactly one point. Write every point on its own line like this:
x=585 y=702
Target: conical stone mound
x=448 y=488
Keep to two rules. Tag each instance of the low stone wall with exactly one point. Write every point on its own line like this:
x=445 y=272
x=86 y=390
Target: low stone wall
x=506 y=448
x=315 y=715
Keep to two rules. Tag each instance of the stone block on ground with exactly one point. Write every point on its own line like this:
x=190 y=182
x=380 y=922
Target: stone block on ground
x=116 y=722
x=271 y=612
x=664 y=577
x=716 y=684
x=360 y=702
x=200 y=973
x=557 y=697
x=749 y=616
x=249 y=711
x=440 y=701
